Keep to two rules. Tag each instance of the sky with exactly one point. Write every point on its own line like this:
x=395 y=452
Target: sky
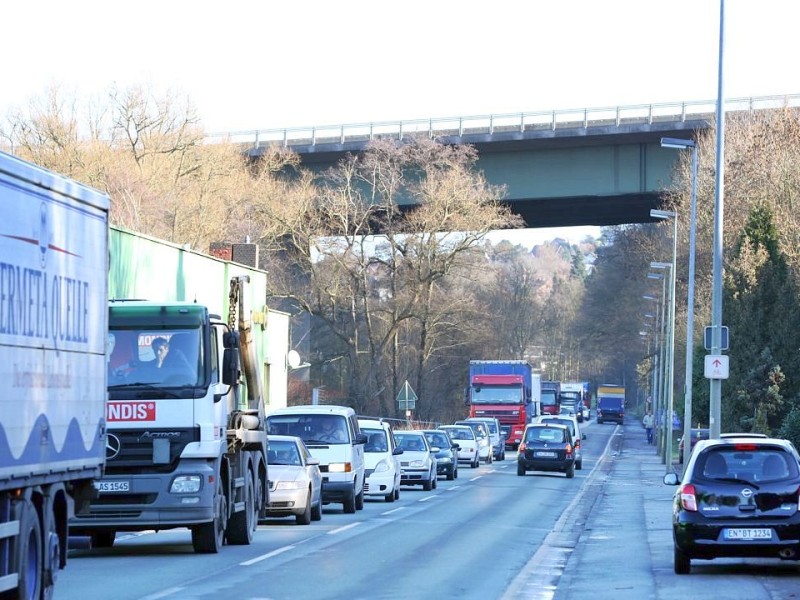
x=261 y=64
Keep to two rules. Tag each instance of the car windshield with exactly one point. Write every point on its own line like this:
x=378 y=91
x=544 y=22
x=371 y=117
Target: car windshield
x=545 y=434
x=461 y=434
x=376 y=440
x=283 y=452
x=438 y=440
x=412 y=443
x=748 y=463
x=311 y=428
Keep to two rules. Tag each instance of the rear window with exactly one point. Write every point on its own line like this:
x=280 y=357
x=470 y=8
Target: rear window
x=748 y=463
x=545 y=434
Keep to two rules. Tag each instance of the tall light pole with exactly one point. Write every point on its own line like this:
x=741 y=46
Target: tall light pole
x=671 y=360
x=687 y=407
x=657 y=362
x=661 y=399
x=715 y=386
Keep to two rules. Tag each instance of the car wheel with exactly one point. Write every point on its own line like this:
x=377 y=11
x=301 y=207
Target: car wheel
x=397 y=493
x=316 y=512
x=455 y=472
x=681 y=562
x=571 y=471
x=426 y=485
x=390 y=496
x=349 y=504
x=103 y=539
x=579 y=465
x=476 y=463
x=434 y=480
x=360 y=500
x=305 y=518
x=451 y=474
x=520 y=470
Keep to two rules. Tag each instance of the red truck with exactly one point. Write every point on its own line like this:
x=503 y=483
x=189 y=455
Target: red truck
x=506 y=390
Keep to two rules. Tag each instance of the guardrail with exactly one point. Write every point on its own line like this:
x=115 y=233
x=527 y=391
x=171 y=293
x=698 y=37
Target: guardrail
x=584 y=118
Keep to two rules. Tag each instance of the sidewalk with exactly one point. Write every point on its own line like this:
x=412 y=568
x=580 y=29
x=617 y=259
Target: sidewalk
x=624 y=549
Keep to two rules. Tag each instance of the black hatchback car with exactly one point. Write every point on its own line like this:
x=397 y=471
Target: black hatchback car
x=546 y=447
x=739 y=497
x=446 y=452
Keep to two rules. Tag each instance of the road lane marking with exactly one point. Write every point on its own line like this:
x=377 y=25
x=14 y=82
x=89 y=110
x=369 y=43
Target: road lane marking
x=455 y=487
x=257 y=559
x=164 y=594
x=476 y=478
x=394 y=510
x=426 y=498
x=344 y=528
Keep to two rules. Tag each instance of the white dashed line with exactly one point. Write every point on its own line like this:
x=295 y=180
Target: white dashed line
x=426 y=498
x=394 y=510
x=476 y=478
x=455 y=487
x=258 y=559
x=345 y=528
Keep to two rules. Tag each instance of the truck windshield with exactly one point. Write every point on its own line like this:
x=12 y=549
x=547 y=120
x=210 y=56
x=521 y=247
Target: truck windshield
x=496 y=394
x=163 y=357
x=549 y=398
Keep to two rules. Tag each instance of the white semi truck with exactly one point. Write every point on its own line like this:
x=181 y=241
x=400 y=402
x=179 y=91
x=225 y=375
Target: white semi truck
x=53 y=316
x=187 y=444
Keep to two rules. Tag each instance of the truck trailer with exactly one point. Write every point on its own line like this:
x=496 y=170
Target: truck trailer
x=53 y=319
x=507 y=390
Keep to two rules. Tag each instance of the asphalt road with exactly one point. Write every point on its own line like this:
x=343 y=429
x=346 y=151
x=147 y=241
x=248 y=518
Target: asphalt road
x=489 y=534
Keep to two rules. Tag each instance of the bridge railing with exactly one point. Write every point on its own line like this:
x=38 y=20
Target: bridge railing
x=585 y=118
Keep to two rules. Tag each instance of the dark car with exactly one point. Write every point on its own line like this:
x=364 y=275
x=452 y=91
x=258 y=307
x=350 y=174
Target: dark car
x=738 y=498
x=446 y=452
x=546 y=447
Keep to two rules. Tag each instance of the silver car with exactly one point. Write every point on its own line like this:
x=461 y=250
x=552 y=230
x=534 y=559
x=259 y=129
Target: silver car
x=295 y=482
x=417 y=461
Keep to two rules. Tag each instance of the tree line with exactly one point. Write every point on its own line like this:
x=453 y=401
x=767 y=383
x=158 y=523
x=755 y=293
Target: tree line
x=429 y=293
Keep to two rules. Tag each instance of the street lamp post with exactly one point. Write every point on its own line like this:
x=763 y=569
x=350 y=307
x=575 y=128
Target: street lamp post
x=671 y=360
x=687 y=409
x=661 y=398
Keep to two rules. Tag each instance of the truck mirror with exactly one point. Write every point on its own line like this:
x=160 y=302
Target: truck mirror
x=230 y=366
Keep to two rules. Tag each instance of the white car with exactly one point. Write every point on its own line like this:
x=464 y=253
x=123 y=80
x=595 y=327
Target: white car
x=464 y=436
x=572 y=423
x=485 y=452
x=381 y=460
x=295 y=483
x=418 y=461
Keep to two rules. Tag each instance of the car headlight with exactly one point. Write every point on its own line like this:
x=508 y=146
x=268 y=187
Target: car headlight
x=381 y=467
x=290 y=485
x=417 y=463
x=185 y=484
x=444 y=460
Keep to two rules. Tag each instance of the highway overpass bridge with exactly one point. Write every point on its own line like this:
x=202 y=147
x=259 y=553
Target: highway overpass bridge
x=600 y=166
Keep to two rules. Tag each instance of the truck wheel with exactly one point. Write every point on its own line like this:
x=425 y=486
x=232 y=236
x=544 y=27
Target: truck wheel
x=207 y=538
x=360 y=500
x=242 y=524
x=52 y=552
x=349 y=504
x=103 y=539
x=305 y=518
x=29 y=553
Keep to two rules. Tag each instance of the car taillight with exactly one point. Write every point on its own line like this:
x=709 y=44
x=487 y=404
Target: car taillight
x=688 y=498
x=568 y=449
x=521 y=447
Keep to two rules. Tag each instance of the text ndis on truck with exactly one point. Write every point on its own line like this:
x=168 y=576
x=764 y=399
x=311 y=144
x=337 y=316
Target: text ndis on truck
x=53 y=315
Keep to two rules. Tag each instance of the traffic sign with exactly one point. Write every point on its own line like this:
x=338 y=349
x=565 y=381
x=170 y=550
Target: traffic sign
x=709 y=331
x=406 y=398
x=716 y=366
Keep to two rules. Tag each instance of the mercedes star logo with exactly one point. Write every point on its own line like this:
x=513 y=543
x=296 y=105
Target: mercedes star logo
x=113 y=446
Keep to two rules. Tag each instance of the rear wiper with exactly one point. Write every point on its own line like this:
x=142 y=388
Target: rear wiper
x=736 y=480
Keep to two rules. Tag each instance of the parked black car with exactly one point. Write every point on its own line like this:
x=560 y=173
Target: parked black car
x=546 y=447
x=447 y=455
x=738 y=498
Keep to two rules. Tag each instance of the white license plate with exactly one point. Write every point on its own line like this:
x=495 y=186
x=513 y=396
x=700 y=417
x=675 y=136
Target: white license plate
x=112 y=486
x=545 y=454
x=748 y=534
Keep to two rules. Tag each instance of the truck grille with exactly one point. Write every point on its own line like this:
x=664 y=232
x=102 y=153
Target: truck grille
x=130 y=451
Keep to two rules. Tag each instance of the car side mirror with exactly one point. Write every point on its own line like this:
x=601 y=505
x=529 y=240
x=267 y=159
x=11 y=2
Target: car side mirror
x=361 y=438
x=397 y=451
x=671 y=479
x=456 y=447
x=312 y=461
x=435 y=449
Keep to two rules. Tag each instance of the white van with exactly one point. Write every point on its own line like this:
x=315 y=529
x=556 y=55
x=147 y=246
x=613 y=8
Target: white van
x=382 y=467
x=331 y=434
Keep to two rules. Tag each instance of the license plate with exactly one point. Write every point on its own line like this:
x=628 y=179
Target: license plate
x=748 y=534
x=112 y=486
x=545 y=454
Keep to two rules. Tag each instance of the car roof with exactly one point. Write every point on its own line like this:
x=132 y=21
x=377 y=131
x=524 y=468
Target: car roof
x=727 y=436
x=408 y=431
x=376 y=423
x=460 y=426
x=548 y=424
x=312 y=409
x=285 y=438
x=732 y=442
